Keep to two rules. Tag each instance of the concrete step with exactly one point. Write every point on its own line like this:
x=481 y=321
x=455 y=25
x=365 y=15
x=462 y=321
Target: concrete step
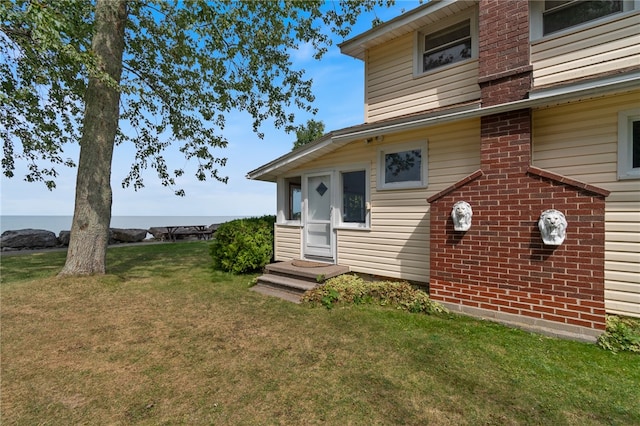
x=284 y=287
x=274 y=292
x=312 y=274
x=290 y=280
x=286 y=282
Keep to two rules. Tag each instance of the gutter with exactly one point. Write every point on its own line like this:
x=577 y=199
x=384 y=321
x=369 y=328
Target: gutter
x=537 y=99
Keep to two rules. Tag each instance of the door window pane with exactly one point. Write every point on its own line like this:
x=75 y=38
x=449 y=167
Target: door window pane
x=319 y=198
x=318 y=234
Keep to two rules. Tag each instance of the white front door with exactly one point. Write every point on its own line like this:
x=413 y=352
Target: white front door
x=318 y=229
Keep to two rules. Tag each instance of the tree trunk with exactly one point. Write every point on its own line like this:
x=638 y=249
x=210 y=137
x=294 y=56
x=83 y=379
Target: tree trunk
x=92 y=215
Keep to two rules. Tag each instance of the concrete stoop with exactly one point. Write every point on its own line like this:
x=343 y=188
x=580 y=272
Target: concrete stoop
x=290 y=280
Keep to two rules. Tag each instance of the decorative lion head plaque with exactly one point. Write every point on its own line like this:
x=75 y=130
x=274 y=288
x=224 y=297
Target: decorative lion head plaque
x=553 y=227
x=461 y=214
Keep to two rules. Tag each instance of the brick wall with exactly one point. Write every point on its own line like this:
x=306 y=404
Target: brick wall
x=501 y=264
x=503 y=58
x=503 y=38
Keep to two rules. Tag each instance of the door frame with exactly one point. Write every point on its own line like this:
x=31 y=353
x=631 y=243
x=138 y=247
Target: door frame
x=331 y=254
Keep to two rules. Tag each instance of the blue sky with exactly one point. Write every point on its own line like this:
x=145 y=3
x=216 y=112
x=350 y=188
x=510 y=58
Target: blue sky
x=339 y=90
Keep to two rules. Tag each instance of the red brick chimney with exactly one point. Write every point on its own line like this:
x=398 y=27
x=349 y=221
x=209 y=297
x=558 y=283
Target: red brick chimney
x=504 y=70
x=500 y=268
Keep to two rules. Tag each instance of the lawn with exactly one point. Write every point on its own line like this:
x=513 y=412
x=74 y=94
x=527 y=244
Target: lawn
x=164 y=339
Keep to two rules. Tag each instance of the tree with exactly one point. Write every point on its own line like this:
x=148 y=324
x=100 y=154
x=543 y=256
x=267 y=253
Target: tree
x=309 y=133
x=150 y=74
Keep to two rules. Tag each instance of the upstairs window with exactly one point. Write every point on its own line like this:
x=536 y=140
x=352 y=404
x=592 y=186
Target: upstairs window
x=447 y=46
x=561 y=14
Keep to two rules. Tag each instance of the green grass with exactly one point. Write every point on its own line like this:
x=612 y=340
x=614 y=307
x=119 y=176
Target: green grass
x=163 y=339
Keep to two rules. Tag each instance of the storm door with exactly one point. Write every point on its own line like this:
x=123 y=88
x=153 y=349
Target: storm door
x=318 y=228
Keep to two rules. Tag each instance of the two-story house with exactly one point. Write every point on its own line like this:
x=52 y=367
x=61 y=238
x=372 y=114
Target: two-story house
x=515 y=108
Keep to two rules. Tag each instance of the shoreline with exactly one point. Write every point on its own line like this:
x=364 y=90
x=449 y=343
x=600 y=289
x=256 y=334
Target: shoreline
x=60 y=223
x=10 y=253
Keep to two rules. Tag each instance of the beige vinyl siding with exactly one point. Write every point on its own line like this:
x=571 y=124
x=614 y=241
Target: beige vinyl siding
x=588 y=51
x=397 y=243
x=392 y=90
x=581 y=141
x=287 y=242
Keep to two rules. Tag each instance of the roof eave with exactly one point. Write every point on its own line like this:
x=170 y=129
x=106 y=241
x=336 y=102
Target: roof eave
x=266 y=172
x=538 y=99
x=356 y=46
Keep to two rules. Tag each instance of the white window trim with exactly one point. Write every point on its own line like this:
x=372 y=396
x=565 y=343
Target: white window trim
x=625 y=147
x=418 y=48
x=536 y=9
x=354 y=225
x=391 y=149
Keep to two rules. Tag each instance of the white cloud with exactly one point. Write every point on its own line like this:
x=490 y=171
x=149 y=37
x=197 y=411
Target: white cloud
x=303 y=54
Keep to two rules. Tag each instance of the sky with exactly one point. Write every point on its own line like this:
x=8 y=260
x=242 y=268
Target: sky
x=338 y=85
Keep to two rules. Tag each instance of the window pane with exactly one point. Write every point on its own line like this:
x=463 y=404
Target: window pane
x=445 y=47
x=353 y=197
x=405 y=166
x=447 y=55
x=636 y=144
x=563 y=15
x=295 y=202
x=550 y=4
x=449 y=35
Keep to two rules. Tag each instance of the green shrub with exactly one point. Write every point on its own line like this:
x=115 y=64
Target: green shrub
x=622 y=334
x=243 y=245
x=353 y=289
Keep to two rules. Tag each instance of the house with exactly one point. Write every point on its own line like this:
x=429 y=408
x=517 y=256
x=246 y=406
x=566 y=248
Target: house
x=516 y=109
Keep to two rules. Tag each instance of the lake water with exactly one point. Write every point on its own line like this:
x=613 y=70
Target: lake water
x=56 y=224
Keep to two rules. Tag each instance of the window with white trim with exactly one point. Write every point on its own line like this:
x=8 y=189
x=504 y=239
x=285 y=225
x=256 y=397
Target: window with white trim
x=549 y=17
x=354 y=203
x=443 y=45
x=403 y=167
x=629 y=144
x=354 y=197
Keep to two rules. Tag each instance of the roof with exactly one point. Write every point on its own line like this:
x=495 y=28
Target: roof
x=537 y=99
x=413 y=20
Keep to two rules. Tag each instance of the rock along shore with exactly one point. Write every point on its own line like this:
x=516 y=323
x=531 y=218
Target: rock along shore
x=35 y=239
